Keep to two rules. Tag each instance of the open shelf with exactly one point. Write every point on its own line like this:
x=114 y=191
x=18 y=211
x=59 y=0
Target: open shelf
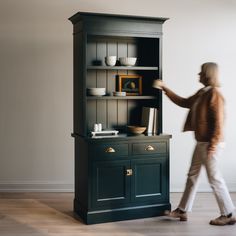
x=122 y=68
x=124 y=98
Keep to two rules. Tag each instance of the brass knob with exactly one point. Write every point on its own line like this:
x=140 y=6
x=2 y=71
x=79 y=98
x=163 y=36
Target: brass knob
x=129 y=172
x=110 y=149
x=149 y=148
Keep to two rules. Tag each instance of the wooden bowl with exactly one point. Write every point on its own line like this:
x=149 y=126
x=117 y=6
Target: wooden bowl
x=136 y=129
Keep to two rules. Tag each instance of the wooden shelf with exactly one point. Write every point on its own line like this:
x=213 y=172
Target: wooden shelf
x=122 y=68
x=124 y=98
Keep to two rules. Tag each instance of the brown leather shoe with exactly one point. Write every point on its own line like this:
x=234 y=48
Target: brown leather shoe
x=177 y=213
x=223 y=220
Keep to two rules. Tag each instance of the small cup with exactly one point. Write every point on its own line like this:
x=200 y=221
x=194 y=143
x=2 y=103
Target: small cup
x=95 y=128
x=157 y=83
x=110 y=60
x=99 y=127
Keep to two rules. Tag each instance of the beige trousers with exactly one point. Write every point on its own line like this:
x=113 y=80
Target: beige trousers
x=214 y=177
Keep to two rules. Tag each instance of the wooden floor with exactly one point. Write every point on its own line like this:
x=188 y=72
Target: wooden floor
x=24 y=214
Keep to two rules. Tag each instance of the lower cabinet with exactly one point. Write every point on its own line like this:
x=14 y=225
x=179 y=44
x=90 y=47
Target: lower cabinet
x=138 y=180
x=149 y=180
x=110 y=183
x=121 y=179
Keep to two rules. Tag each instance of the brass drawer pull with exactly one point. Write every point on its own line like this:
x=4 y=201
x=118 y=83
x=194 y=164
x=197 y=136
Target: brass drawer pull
x=110 y=149
x=129 y=172
x=149 y=148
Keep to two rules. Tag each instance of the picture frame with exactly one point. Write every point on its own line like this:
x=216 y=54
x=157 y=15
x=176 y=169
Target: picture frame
x=131 y=84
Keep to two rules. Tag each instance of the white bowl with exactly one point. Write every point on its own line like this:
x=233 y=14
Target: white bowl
x=128 y=61
x=96 y=91
x=157 y=83
x=110 y=60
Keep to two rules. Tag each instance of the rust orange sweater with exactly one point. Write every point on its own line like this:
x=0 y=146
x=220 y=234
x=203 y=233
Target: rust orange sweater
x=208 y=114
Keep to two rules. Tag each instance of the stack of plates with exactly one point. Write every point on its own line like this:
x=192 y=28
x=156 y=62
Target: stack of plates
x=119 y=94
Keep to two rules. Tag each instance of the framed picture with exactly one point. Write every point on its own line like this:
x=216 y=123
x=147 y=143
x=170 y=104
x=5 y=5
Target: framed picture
x=131 y=84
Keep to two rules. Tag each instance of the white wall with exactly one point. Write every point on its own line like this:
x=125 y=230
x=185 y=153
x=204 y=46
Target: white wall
x=36 y=150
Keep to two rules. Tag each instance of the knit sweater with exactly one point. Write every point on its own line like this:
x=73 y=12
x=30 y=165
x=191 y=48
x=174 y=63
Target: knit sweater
x=208 y=114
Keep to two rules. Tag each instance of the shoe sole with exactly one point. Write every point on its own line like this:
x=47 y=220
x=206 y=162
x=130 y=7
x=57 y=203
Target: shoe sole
x=229 y=223
x=167 y=213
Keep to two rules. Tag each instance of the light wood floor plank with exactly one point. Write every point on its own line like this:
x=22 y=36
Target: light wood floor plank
x=41 y=214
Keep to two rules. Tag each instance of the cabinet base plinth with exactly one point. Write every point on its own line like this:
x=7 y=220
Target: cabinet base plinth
x=119 y=214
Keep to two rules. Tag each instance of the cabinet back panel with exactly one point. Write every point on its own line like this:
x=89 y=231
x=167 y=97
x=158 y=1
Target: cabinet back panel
x=145 y=49
x=122 y=114
x=102 y=113
x=112 y=114
x=91 y=114
x=115 y=114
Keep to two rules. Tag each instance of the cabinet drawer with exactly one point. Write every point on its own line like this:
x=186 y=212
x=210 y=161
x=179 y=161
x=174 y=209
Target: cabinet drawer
x=149 y=148
x=109 y=150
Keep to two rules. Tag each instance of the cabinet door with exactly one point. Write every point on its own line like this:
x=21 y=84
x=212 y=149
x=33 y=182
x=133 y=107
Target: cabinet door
x=150 y=180
x=110 y=183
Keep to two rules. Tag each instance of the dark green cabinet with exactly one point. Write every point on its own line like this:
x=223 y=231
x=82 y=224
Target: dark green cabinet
x=125 y=176
x=138 y=180
x=110 y=183
x=149 y=179
x=121 y=184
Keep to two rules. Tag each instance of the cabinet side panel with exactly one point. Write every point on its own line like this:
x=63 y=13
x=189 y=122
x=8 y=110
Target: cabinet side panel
x=79 y=86
x=81 y=173
x=160 y=127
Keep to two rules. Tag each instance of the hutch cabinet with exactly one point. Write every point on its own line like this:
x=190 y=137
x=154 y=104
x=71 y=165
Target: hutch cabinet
x=123 y=176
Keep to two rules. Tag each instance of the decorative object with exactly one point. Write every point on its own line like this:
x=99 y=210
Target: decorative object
x=127 y=61
x=131 y=84
x=110 y=60
x=96 y=91
x=104 y=133
x=149 y=119
x=119 y=94
x=136 y=129
x=156 y=84
x=95 y=128
x=99 y=127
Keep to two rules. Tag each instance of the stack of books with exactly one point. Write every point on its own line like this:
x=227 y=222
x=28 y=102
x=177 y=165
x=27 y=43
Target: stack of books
x=149 y=119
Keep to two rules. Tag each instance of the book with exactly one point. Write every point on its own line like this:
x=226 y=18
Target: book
x=148 y=119
x=155 y=120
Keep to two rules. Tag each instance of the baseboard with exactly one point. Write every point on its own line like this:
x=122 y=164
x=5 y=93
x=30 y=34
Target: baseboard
x=203 y=187
x=53 y=186
x=35 y=186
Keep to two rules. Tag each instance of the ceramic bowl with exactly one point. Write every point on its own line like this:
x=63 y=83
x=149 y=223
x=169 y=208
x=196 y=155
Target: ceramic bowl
x=136 y=129
x=110 y=60
x=157 y=84
x=128 y=61
x=96 y=91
